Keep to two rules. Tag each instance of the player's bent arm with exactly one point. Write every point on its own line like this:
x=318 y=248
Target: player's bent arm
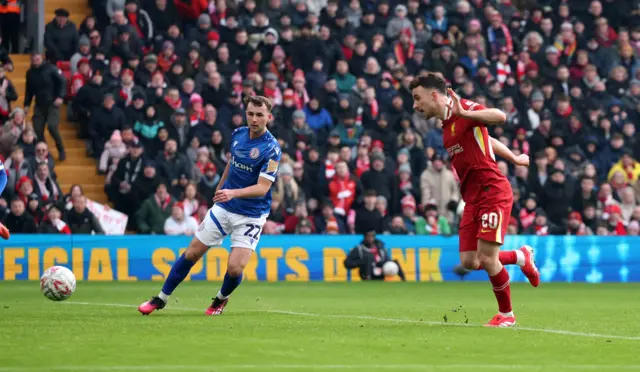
x=224 y=176
x=503 y=151
x=258 y=190
x=488 y=116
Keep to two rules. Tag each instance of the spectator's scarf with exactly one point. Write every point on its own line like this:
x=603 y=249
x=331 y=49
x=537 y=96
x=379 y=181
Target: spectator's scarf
x=402 y=53
x=274 y=94
x=542 y=230
x=196 y=117
x=173 y=103
x=527 y=217
x=522 y=145
x=78 y=80
x=329 y=169
x=301 y=98
x=507 y=38
x=47 y=189
x=61 y=226
x=567 y=49
x=191 y=207
x=133 y=20
x=362 y=165
x=503 y=71
x=164 y=203
x=126 y=93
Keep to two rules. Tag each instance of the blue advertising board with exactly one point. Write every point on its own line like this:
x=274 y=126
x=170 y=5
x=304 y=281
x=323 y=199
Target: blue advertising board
x=309 y=258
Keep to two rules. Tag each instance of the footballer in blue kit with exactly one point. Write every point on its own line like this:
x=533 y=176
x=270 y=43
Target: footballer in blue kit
x=242 y=204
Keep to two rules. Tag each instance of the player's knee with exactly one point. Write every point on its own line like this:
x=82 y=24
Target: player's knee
x=470 y=262
x=235 y=269
x=487 y=260
x=195 y=251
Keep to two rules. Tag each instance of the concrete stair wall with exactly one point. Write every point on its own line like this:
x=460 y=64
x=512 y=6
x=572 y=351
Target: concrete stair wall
x=78 y=168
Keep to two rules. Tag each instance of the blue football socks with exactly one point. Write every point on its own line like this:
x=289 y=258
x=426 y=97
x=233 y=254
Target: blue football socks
x=178 y=272
x=229 y=285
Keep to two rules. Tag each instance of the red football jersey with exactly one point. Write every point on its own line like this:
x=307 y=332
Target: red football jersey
x=469 y=148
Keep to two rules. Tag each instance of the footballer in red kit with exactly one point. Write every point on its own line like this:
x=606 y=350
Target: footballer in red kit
x=485 y=190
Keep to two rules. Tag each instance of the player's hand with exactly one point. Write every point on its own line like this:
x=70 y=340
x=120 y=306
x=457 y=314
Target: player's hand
x=222 y=196
x=455 y=107
x=522 y=160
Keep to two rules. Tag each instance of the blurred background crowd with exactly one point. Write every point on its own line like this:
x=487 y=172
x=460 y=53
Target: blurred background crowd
x=155 y=88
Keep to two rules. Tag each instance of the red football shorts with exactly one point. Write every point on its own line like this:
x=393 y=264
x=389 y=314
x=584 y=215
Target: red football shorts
x=487 y=221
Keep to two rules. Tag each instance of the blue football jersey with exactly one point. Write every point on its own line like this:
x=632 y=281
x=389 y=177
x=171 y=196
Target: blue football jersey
x=251 y=159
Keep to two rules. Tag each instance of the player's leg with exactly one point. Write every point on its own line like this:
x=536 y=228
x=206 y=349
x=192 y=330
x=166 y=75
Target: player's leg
x=210 y=232
x=238 y=260
x=499 y=277
x=4 y=232
x=245 y=235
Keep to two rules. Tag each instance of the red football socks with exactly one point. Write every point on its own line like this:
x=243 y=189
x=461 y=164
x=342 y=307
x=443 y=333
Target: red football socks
x=502 y=290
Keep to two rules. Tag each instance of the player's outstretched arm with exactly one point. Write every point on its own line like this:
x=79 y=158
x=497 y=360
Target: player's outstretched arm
x=503 y=151
x=224 y=176
x=256 y=191
x=489 y=116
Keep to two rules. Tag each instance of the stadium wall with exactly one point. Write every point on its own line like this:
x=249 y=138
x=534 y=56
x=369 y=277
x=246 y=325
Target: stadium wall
x=309 y=258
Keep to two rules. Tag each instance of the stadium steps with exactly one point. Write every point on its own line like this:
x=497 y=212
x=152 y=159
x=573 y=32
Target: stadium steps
x=78 y=168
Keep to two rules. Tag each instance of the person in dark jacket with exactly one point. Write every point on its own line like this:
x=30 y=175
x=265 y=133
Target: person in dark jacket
x=19 y=221
x=556 y=198
x=53 y=223
x=8 y=94
x=104 y=120
x=172 y=166
x=120 y=191
x=368 y=218
x=380 y=179
x=369 y=257
x=45 y=83
x=60 y=37
x=89 y=97
x=81 y=220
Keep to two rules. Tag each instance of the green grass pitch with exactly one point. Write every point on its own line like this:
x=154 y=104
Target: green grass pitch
x=321 y=327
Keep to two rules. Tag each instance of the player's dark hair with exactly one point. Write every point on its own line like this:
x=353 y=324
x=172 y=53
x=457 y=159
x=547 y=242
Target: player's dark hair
x=429 y=81
x=258 y=101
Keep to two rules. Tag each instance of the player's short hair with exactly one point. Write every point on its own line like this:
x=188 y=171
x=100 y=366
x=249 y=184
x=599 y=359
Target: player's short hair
x=429 y=81
x=258 y=101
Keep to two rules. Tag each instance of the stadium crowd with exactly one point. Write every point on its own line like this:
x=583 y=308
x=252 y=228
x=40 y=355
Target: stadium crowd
x=156 y=87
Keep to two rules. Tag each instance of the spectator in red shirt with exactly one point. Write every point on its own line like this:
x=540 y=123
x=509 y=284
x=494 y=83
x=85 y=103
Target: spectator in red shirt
x=342 y=189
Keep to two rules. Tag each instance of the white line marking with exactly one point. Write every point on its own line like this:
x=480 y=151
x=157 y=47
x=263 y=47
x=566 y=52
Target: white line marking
x=395 y=320
x=423 y=367
x=432 y=367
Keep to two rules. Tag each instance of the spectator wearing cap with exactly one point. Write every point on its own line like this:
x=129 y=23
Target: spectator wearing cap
x=400 y=23
x=154 y=211
x=438 y=183
x=349 y=132
x=301 y=130
x=146 y=183
x=81 y=220
x=104 y=120
x=84 y=51
x=114 y=150
x=612 y=215
x=179 y=128
x=60 y=37
x=19 y=221
x=136 y=110
x=167 y=56
x=209 y=181
x=127 y=90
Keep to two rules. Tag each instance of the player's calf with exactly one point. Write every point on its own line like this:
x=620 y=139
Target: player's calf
x=238 y=260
